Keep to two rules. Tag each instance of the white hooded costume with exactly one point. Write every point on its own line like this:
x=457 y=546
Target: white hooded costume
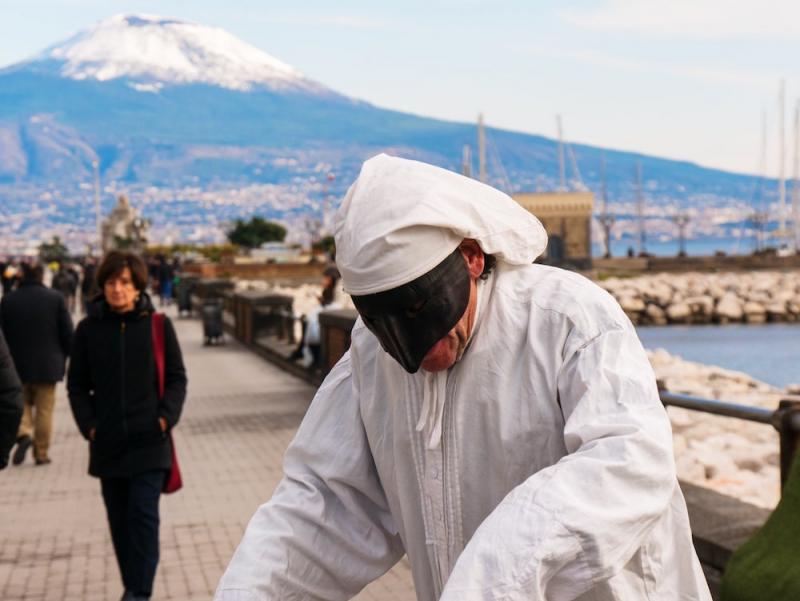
x=538 y=467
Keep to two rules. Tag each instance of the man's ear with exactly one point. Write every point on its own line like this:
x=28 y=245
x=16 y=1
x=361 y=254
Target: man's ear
x=473 y=256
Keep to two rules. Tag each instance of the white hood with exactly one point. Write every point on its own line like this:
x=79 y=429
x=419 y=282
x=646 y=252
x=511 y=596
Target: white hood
x=401 y=218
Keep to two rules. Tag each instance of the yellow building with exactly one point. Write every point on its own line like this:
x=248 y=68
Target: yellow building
x=567 y=217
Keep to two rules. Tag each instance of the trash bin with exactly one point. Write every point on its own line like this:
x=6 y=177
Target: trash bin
x=212 y=321
x=184 y=296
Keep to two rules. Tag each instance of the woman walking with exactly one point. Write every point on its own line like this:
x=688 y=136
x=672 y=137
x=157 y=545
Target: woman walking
x=113 y=386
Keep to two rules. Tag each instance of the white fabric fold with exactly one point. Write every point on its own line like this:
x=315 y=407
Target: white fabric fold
x=401 y=218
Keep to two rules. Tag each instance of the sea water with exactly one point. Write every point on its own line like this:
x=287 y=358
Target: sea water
x=768 y=352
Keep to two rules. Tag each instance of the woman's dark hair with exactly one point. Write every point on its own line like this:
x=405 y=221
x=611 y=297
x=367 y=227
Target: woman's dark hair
x=117 y=260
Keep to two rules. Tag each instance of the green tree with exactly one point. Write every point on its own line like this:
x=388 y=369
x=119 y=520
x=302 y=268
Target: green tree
x=325 y=244
x=53 y=251
x=256 y=231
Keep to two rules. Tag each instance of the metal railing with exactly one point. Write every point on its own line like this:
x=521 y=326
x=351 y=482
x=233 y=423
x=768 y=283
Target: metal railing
x=785 y=419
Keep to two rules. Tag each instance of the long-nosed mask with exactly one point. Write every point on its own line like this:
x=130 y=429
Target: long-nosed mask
x=410 y=319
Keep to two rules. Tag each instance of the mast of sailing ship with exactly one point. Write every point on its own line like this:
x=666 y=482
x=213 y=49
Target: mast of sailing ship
x=781 y=234
x=481 y=150
x=640 y=207
x=795 y=182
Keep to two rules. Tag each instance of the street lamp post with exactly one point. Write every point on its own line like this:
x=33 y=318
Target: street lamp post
x=97 y=217
x=607 y=221
x=682 y=220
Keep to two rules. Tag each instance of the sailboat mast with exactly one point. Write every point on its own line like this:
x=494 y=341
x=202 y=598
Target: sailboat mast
x=562 y=179
x=760 y=216
x=640 y=206
x=606 y=220
x=603 y=182
x=782 y=160
x=466 y=161
x=795 y=175
x=481 y=150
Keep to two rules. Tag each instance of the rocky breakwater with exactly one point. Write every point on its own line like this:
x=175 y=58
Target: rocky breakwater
x=732 y=456
x=750 y=297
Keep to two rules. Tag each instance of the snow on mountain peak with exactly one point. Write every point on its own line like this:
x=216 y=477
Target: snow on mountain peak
x=156 y=51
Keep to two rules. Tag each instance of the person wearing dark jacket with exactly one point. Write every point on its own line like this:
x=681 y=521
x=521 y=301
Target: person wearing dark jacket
x=113 y=391
x=166 y=274
x=66 y=282
x=88 y=283
x=38 y=330
x=10 y=402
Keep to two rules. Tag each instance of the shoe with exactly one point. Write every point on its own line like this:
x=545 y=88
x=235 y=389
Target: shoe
x=23 y=444
x=44 y=461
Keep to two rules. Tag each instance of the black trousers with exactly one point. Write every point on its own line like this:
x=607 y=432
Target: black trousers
x=132 y=509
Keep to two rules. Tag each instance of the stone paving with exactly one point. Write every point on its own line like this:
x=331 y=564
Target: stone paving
x=240 y=415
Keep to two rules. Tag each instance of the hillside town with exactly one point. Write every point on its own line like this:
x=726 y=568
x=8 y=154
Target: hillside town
x=261 y=339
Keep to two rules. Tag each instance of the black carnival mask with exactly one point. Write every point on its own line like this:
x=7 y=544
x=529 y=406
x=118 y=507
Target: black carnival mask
x=410 y=319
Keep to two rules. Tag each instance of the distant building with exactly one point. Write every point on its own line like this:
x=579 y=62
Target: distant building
x=276 y=252
x=124 y=229
x=567 y=217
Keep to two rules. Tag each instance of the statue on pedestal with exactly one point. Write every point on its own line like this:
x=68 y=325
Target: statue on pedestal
x=124 y=228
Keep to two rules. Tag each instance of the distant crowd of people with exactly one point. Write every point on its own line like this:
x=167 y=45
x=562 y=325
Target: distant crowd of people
x=126 y=384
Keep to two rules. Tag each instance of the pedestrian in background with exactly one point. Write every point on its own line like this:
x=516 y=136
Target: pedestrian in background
x=88 y=283
x=166 y=274
x=9 y=277
x=65 y=281
x=113 y=391
x=332 y=297
x=38 y=329
x=10 y=402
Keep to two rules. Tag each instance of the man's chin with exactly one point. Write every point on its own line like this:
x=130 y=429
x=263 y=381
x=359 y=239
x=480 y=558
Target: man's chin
x=439 y=357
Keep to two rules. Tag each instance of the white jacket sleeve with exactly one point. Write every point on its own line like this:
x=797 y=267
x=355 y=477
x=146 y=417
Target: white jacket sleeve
x=581 y=520
x=327 y=531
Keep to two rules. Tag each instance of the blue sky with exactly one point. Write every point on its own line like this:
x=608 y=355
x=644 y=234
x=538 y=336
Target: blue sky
x=681 y=79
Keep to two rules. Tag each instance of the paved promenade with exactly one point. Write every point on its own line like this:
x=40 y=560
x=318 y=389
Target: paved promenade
x=239 y=417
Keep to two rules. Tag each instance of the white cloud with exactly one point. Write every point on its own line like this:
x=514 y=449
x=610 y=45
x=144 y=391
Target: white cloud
x=697 y=19
x=352 y=22
x=760 y=79
x=347 y=21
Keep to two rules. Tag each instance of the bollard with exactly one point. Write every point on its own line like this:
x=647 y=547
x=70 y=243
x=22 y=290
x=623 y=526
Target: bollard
x=788 y=418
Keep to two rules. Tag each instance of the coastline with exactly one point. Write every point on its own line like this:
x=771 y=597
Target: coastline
x=731 y=456
x=702 y=298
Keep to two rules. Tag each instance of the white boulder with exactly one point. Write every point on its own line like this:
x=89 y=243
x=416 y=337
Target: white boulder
x=679 y=313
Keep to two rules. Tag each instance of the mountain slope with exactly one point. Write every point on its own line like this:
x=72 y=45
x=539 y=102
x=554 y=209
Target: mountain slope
x=168 y=103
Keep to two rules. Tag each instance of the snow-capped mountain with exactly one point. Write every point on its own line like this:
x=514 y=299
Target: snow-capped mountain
x=152 y=52
x=163 y=102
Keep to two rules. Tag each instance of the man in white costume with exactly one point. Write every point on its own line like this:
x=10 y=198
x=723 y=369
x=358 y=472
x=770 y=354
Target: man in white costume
x=503 y=429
